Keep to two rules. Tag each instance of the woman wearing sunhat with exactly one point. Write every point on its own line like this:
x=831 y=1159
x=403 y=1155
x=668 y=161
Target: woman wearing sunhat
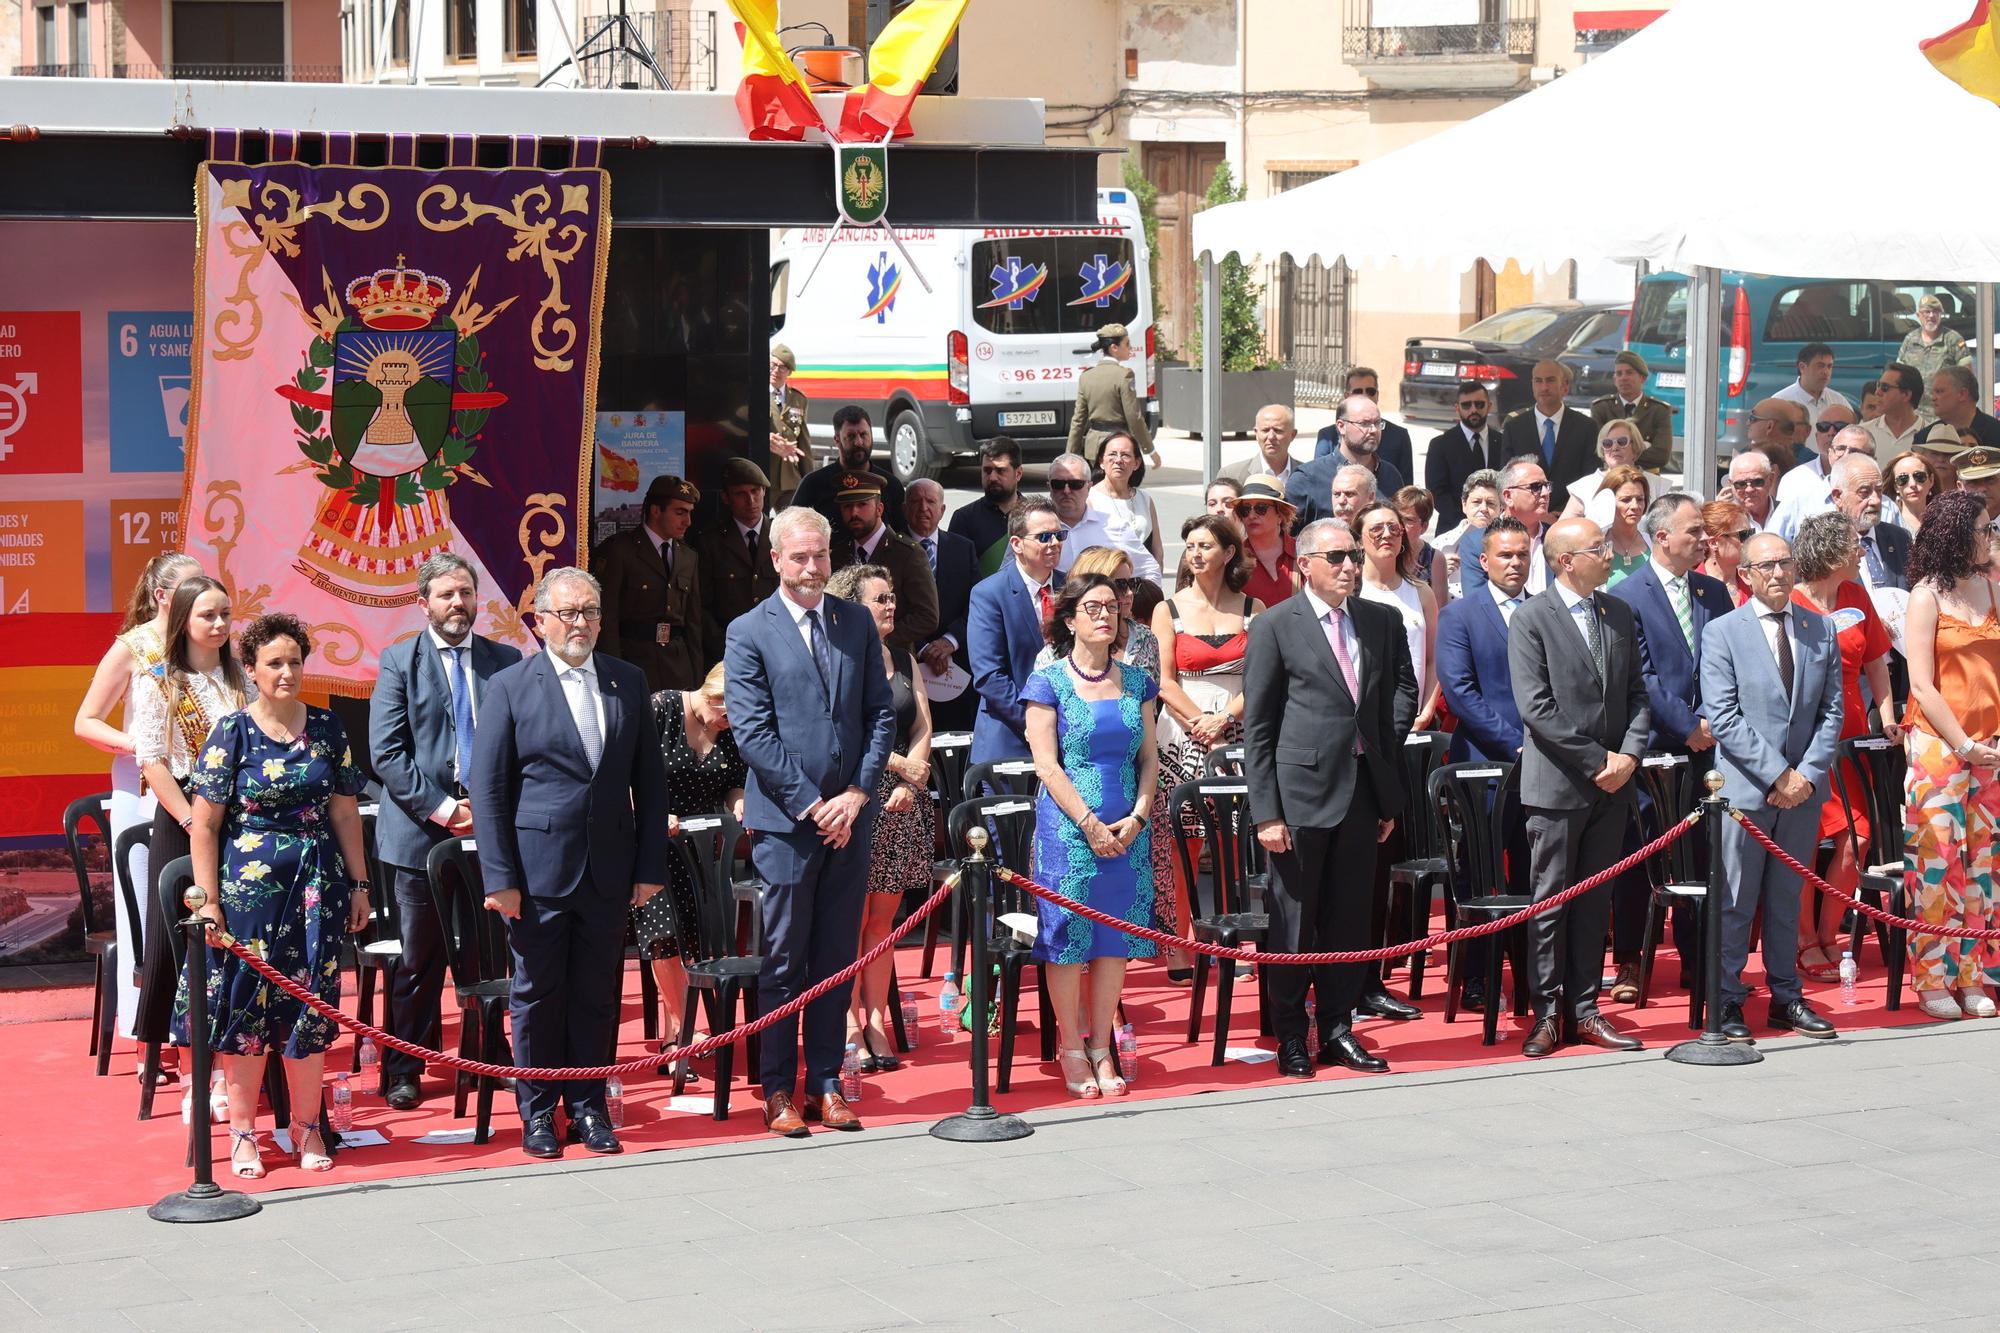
x=1106 y=403
x=1266 y=519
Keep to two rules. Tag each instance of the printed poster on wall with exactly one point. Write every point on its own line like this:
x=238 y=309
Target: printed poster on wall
x=632 y=449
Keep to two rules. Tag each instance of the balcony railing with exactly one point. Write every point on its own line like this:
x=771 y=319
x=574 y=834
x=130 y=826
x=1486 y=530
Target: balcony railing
x=279 y=73
x=1378 y=30
x=683 y=42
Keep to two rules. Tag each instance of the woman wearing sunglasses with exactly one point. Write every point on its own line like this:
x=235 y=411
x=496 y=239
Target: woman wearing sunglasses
x=1728 y=526
x=1913 y=483
x=1264 y=516
x=1618 y=445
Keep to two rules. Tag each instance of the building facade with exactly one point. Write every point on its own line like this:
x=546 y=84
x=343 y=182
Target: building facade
x=295 y=40
x=643 y=44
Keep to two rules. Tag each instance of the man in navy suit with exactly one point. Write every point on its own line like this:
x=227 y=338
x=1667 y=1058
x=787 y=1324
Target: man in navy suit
x=572 y=799
x=420 y=729
x=1672 y=604
x=955 y=565
x=1004 y=627
x=814 y=720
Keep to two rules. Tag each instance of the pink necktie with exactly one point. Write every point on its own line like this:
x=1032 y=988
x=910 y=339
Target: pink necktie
x=1340 y=655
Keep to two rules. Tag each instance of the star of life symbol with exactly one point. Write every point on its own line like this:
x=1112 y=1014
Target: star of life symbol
x=1015 y=284
x=1103 y=278
x=884 y=279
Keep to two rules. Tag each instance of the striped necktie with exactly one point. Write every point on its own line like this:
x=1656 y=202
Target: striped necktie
x=1677 y=593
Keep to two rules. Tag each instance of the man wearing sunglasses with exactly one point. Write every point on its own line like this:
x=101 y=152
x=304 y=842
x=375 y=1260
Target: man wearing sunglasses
x=1004 y=627
x=1804 y=491
x=1901 y=392
x=1069 y=492
x=1753 y=483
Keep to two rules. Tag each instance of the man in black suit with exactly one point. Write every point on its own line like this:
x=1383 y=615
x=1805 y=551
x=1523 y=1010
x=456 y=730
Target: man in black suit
x=955 y=565
x=1854 y=488
x=854 y=437
x=1563 y=440
x=1395 y=448
x=1580 y=686
x=651 y=577
x=1331 y=696
x=735 y=553
x=421 y=721
x=570 y=788
x=1457 y=452
x=865 y=539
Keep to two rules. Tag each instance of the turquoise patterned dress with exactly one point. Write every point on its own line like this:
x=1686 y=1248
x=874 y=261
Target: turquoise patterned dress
x=1100 y=753
x=284 y=888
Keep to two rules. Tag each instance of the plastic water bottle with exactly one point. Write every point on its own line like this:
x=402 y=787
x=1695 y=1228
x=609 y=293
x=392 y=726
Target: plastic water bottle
x=948 y=1002
x=912 y=1022
x=1128 y=1053
x=343 y=1105
x=1312 y=1024
x=1850 y=972
x=850 y=1074
x=371 y=1055
x=614 y=1101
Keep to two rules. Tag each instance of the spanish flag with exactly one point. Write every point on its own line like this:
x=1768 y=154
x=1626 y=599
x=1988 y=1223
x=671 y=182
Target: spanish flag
x=1969 y=55
x=900 y=59
x=772 y=97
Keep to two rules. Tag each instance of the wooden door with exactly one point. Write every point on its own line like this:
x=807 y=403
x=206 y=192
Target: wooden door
x=1181 y=172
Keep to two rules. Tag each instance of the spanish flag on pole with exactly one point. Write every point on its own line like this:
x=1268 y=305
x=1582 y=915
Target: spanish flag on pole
x=772 y=98
x=900 y=59
x=1969 y=55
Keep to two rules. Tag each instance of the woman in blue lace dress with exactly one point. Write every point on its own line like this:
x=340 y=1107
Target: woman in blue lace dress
x=1092 y=737
x=277 y=844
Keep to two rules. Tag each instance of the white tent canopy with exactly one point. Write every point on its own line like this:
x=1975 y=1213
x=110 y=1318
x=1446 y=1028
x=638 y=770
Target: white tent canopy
x=1804 y=137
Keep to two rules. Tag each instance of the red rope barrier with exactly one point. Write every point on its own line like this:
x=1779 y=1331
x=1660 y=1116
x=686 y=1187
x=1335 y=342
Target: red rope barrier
x=628 y=1067
x=1493 y=927
x=1910 y=924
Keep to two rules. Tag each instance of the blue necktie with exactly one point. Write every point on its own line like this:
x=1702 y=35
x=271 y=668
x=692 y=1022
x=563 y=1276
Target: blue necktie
x=1548 y=442
x=461 y=711
x=1878 y=572
x=821 y=657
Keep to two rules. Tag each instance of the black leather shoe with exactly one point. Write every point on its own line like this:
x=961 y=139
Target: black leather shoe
x=1733 y=1026
x=405 y=1094
x=1294 y=1061
x=1798 y=1016
x=538 y=1137
x=593 y=1131
x=1381 y=1004
x=1343 y=1050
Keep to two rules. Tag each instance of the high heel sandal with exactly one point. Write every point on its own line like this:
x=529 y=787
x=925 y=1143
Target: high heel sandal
x=1114 y=1086
x=253 y=1168
x=1074 y=1062
x=218 y=1103
x=311 y=1161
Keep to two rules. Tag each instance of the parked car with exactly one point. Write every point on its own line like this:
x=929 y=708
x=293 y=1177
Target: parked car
x=1500 y=351
x=1593 y=350
x=1766 y=320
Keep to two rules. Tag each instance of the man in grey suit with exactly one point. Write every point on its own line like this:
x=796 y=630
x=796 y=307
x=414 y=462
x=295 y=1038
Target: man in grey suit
x=1331 y=696
x=1770 y=680
x=1580 y=686
x=420 y=725
x=1276 y=429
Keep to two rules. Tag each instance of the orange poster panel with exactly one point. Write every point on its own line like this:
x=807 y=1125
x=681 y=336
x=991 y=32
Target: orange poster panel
x=140 y=530
x=41 y=556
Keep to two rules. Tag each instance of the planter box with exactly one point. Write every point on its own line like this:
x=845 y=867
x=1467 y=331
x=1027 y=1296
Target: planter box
x=1243 y=393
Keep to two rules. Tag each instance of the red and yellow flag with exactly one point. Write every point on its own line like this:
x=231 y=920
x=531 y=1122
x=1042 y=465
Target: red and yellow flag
x=772 y=97
x=900 y=59
x=1969 y=55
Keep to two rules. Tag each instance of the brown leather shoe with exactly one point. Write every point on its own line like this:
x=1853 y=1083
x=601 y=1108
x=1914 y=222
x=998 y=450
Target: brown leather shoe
x=832 y=1110
x=1543 y=1038
x=1625 y=988
x=781 y=1116
x=1599 y=1032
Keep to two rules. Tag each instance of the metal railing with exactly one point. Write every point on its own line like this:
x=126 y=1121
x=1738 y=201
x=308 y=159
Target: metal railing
x=1505 y=29
x=247 y=73
x=1317 y=382
x=683 y=43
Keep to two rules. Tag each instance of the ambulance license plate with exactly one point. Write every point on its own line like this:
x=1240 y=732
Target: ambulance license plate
x=1027 y=418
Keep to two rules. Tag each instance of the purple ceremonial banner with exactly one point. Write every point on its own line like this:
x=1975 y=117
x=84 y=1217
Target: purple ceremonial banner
x=391 y=362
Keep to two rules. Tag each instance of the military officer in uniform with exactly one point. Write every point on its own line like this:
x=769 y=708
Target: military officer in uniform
x=1106 y=404
x=863 y=538
x=1631 y=402
x=791 y=449
x=735 y=549
x=652 y=590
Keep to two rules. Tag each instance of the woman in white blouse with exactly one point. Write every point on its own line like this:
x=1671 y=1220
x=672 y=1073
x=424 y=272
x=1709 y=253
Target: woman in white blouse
x=172 y=714
x=1129 y=517
x=1618 y=445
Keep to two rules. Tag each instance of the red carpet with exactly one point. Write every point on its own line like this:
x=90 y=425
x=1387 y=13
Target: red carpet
x=70 y=1142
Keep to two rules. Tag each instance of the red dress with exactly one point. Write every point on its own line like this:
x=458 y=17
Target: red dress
x=1271 y=588
x=1862 y=639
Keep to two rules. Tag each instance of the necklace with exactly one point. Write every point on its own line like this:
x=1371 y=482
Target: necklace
x=1092 y=676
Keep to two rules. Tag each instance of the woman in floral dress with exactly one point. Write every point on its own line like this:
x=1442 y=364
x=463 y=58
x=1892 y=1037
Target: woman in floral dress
x=276 y=828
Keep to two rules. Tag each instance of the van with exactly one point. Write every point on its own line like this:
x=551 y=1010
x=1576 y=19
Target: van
x=1766 y=321
x=988 y=341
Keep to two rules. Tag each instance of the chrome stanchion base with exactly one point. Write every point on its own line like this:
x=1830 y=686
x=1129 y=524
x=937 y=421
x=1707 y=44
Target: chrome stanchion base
x=204 y=1202
x=981 y=1124
x=1712 y=1048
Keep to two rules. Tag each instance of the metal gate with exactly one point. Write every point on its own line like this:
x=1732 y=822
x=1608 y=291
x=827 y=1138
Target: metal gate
x=1311 y=317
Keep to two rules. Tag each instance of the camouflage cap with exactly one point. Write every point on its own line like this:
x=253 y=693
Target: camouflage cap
x=1112 y=333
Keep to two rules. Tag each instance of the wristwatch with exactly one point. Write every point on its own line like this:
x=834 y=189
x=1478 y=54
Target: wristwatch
x=1965 y=751
x=361 y=885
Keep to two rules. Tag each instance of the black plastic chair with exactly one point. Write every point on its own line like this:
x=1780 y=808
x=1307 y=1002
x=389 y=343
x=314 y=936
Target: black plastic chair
x=1228 y=905
x=717 y=970
x=130 y=841
x=1225 y=761
x=481 y=966
x=378 y=953
x=1675 y=875
x=1010 y=823
x=1879 y=768
x=1423 y=867
x=99 y=941
x=1002 y=777
x=1470 y=800
x=947 y=785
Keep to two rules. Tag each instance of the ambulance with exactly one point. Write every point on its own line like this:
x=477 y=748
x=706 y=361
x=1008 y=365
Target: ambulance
x=988 y=341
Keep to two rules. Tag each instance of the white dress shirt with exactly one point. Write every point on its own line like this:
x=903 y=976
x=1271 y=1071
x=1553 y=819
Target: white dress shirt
x=1091 y=530
x=864 y=550
x=1322 y=610
x=581 y=690
x=1801 y=494
x=1508 y=605
x=1571 y=600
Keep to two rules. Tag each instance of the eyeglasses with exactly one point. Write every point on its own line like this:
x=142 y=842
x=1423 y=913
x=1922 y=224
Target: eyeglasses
x=1098 y=610
x=1768 y=567
x=577 y=615
x=1069 y=484
x=1352 y=555
x=1258 y=508
x=1912 y=479
x=1364 y=425
x=1602 y=548
x=884 y=599
x=1059 y=535
x=1538 y=487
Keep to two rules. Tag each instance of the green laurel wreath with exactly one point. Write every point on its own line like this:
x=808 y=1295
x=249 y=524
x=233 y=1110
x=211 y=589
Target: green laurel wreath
x=437 y=473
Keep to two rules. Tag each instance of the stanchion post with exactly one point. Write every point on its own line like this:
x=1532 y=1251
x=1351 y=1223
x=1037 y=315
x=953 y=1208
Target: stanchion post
x=203 y=1200
x=1711 y=1047
x=979 y=1122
